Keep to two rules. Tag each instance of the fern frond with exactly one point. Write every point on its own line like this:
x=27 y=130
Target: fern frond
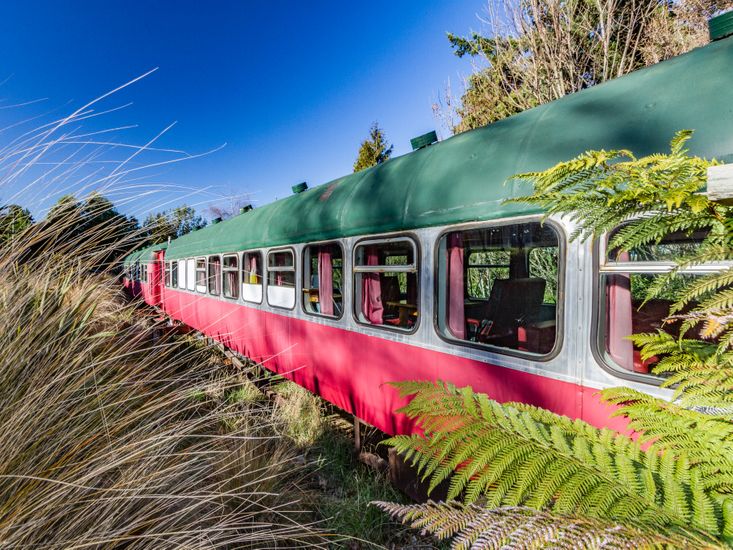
x=517 y=527
x=517 y=455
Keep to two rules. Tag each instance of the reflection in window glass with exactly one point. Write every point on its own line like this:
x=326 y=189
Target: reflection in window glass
x=386 y=283
x=252 y=277
x=281 y=279
x=323 y=280
x=214 y=278
x=499 y=286
x=231 y=276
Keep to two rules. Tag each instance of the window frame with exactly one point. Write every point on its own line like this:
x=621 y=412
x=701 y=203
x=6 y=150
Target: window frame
x=263 y=258
x=602 y=266
x=410 y=237
x=266 y=276
x=238 y=269
x=562 y=258
x=167 y=274
x=208 y=275
x=343 y=279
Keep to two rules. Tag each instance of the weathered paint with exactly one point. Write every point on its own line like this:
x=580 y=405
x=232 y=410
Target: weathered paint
x=464 y=178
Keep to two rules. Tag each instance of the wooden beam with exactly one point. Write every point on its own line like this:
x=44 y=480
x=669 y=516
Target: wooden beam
x=720 y=183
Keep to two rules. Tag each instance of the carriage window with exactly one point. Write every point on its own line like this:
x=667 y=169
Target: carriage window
x=201 y=275
x=499 y=286
x=323 y=280
x=174 y=274
x=386 y=283
x=625 y=279
x=252 y=277
x=182 y=274
x=145 y=273
x=281 y=279
x=214 y=275
x=231 y=276
x=167 y=266
x=190 y=274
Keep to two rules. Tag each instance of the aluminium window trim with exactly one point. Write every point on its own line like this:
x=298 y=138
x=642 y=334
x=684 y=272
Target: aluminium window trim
x=343 y=279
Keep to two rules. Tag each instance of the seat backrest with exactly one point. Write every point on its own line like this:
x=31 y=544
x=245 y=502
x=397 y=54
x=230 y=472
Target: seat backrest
x=390 y=289
x=514 y=299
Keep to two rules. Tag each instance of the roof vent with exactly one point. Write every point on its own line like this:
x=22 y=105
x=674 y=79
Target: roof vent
x=299 y=188
x=424 y=140
x=245 y=208
x=721 y=26
x=215 y=221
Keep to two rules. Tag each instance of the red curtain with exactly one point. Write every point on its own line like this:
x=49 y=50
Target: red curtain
x=325 y=281
x=456 y=293
x=371 y=290
x=619 y=317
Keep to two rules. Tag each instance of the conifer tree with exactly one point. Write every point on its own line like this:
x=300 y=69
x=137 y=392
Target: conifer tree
x=373 y=150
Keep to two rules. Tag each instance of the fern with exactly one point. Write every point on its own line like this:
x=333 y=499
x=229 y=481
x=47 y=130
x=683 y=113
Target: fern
x=518 y=455
x=518 y=527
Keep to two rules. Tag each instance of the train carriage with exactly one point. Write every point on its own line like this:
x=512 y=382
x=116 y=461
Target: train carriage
x=418 y=268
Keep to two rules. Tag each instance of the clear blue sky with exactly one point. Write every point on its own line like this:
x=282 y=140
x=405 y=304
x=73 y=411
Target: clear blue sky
x=290 y=87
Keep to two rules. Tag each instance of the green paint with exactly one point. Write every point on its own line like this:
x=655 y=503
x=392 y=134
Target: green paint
x=462 y=179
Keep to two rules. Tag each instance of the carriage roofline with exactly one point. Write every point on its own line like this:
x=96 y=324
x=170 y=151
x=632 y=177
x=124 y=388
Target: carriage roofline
x=464 y=178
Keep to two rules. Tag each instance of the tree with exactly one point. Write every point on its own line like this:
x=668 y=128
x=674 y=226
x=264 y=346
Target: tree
x=528 y=477
x=161 y=226
x=14 y=219
x=373 y=150
x=540 y=50
x=72 y=225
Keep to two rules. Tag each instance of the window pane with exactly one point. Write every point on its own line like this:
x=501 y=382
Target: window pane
x=625 y=312
x=174 y=274
x=190 y=274
x=214 y=275
x=670 y=249
x=231 y=276
x=252 y=277
x=281 y=259
x=393 y=253
x=167 y=274
x=388 y=297
x=323 y=280
x=201 y=275
x=281 y=280
x=499 y=286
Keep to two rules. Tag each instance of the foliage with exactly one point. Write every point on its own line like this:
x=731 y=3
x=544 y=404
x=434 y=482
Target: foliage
x=158 y=228
x=518 y=455
x=104 y=443
x=673 y=485
x=540 y=50
x=517 y=527
x=13 y=220
x=373 y=150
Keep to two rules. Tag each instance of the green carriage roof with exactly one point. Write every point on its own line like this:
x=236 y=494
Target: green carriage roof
x=463 y=178
x=143 y=254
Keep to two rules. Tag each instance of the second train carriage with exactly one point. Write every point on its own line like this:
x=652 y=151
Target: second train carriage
x=417 y=268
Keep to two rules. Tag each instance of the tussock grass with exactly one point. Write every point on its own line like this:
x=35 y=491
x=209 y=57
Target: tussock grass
x=103 y=440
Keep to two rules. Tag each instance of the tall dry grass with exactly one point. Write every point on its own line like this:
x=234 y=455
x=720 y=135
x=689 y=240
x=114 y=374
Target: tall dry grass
x=114 y=431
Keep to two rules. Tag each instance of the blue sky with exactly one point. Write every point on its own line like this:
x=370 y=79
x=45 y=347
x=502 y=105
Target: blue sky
x=290 y=87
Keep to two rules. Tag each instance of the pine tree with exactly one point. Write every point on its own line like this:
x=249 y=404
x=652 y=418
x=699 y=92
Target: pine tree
x=373 y=150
